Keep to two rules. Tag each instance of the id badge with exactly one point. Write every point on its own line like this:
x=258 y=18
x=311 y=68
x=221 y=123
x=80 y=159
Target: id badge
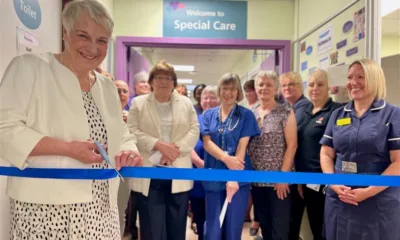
x=314 y=187
x=349 y=167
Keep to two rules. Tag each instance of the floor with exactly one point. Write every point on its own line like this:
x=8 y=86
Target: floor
x=191 y=236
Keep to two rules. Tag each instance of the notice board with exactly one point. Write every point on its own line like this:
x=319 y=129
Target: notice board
x=335 y=44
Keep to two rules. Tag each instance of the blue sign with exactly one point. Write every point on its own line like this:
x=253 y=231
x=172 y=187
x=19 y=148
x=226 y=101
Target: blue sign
x=29 y=13
x=341 y=44
x=311 y=70
x=351 y=51
x=347 y=26
x=304 y=65
x=205 y=19
x=309 y=50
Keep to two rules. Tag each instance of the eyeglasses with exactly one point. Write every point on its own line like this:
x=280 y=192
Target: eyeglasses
x=290 y=85
x=122 y=90
x=159 y=78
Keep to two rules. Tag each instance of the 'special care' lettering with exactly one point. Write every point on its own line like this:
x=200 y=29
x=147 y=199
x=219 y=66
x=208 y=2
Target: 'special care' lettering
x=204 y=25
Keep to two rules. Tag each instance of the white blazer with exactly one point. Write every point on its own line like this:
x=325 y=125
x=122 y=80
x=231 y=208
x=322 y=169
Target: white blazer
x=144 y=122
x=41 y=97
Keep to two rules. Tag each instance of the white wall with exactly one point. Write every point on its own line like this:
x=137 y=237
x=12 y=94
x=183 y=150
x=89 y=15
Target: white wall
x=49 y=34
x=391 y=68
x=108 y=61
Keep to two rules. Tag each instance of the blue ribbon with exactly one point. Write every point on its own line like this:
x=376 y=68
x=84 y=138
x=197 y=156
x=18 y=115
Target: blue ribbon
x=206 y=175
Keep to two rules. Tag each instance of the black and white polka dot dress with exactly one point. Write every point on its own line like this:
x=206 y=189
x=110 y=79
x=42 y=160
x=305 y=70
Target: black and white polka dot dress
x=96 y=220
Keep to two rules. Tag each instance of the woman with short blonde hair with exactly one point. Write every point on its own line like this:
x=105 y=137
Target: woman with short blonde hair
x=309 y=133
x=273 y=150
x=363 y=138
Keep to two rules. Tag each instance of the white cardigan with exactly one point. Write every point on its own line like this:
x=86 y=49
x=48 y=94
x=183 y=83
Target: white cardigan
x=144 y=122
x=41 y=97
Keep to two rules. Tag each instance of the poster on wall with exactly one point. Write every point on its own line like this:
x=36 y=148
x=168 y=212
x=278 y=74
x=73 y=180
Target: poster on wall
x=205 y=19
x=303 y=46
x=324 y=63
x=334 y=57
x=359 y=25
x=325 y=41
x=27 y=42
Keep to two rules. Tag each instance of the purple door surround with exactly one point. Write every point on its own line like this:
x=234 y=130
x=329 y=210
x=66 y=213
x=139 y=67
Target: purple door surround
x=122 y=42
x=269 y=63
x=137 y=63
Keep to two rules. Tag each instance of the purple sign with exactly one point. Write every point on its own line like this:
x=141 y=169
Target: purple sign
x=347 y=26
x=309 y=50
x=304 y=65
x=341 y=44
x=351 y=51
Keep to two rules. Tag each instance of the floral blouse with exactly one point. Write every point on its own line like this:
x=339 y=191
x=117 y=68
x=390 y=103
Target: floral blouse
x=267 y=150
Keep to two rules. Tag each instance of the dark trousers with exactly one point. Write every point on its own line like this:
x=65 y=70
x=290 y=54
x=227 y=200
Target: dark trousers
x=162 y=215
x=315 y=204
x=131 y=216
x=297 y=212
x=273 y=213
x=198 y=206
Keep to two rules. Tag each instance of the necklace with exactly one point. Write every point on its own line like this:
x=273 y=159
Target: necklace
x=87 y=78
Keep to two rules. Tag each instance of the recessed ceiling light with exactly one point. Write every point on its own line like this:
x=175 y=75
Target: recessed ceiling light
x=184 y=68
x=185 y=81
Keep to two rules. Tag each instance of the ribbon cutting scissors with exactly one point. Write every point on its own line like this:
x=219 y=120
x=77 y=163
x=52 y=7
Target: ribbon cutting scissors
x=107 y=159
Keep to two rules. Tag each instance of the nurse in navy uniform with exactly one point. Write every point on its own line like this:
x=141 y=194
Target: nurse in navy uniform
x=364 y=137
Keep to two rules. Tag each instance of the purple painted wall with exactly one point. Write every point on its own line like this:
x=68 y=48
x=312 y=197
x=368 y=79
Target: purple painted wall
x=122 y=42
x=269 y=63
x=137 y=63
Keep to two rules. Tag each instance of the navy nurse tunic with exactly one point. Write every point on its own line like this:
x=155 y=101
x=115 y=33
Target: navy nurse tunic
x=362 y=146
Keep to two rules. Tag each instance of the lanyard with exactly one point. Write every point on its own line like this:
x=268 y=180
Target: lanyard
x=224 y=126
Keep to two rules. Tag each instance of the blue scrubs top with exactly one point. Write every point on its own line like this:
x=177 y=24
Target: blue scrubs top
x=198 y=190
x=240 y=123
x=128 y=105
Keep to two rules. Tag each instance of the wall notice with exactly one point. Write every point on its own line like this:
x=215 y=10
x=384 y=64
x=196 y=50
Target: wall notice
x=325 y=41
x=27 y=42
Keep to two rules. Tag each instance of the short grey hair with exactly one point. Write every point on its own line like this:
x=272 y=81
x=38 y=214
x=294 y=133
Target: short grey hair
x=95 y=9
x=142 y=75
x=267 y=74
x=230 y=78
x=209 y=89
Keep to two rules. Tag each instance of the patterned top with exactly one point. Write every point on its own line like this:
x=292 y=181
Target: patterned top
x=96 y=220
x=267 y=150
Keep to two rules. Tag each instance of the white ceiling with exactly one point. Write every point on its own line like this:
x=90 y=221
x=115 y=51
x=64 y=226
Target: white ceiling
x=391 y=23
x=210 y=64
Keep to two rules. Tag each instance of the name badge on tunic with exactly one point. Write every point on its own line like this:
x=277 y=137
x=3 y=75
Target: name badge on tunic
x=314 y=187
x=349 y=167
x=343 y=121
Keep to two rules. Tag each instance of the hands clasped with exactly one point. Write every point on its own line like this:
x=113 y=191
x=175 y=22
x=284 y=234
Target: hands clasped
x=350 y=196
x=233 y=162
x=170 y=152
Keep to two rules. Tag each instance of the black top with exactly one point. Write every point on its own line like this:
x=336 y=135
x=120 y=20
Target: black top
x=309 y=133
x=299 y=109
